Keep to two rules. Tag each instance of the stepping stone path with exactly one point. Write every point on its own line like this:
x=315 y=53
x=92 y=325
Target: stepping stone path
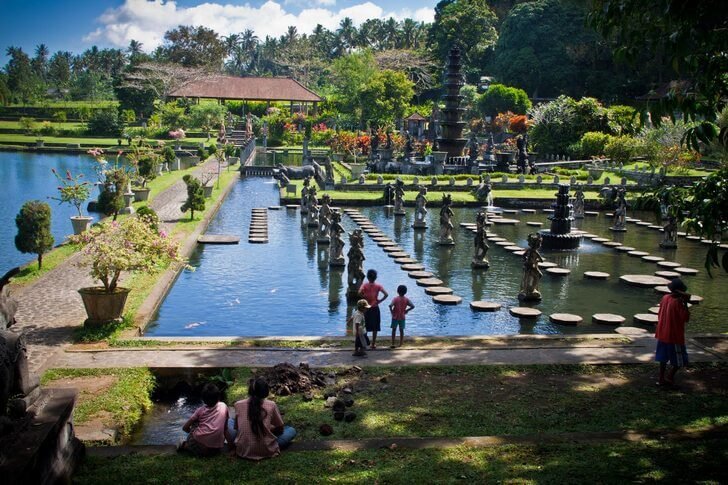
x=438 y=290
x=386 y=244
x=587 y=213
x=484 y=306
x=707 y=242
x=558 y=271
x=393 y=249
x=565 y=319
x=613 y=244
x=600 y=239
x=654 y=310
x=547 y=264
x=258 y=231
x=429 y=282
x=420 y=274
x=497 y=240
x=687 y=271
x=405 y=260
x=667 y=274
x=524 y=312
x=643 y=280
x=510 y=222
x=504 y=244
x=654 y=227
x=609 y=214
x=643 y=223
x=645 y=319
x=608 y=319
x=625 y=249
x=638 y=254
x=275 y=208
x=518 y=253
x=413 y=267
x=398 y=254
x=447 y=299
x=692 y=238
x=513 y=248
x=652 y=259
x=596 y=275
x=668 y=264
x=630 y=331
x=534 y=224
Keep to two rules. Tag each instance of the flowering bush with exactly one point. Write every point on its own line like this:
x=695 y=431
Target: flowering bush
x=73 y=190
x=502 y=122
x=111 y=248
x=518 y=124
x=178 y=134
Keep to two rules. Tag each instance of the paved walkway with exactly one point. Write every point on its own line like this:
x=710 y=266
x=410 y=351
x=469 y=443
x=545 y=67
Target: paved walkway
x=50 y=308
x=640 y=350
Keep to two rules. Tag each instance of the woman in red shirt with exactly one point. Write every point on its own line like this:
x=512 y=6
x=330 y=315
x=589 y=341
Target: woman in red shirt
x=670 y=332
x=370 y=291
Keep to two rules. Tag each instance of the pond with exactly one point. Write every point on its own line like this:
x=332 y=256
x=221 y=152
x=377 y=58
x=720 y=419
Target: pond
x=286 y=288
x=28 y=176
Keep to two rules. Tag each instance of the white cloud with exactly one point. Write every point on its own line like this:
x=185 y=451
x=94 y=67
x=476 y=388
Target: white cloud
x=146 y=21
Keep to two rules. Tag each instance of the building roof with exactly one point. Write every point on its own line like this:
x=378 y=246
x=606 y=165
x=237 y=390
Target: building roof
x=247 y=88
x=416 y=117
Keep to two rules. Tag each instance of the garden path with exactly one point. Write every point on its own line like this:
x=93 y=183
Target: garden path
x=50 y=307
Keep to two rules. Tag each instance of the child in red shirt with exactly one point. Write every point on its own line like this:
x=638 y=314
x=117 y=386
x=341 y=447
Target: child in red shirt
x=370 y=291
x=400 y=306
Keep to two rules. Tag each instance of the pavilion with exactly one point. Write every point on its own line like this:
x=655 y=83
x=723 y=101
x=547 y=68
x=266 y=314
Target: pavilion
x=268 y=89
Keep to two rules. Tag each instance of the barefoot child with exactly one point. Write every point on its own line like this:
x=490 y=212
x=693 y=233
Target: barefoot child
x=207 y=426
x=400 y=306
x=360 y=337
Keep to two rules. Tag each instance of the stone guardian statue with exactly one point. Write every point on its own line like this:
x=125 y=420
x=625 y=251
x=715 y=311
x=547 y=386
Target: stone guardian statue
x=446 y=227
x=480 y=242
x=355 y=266
x=324 y=220
x=578 y=206
x=420 y=209
x=399 y=198
x=531 y=272
x=336 y=250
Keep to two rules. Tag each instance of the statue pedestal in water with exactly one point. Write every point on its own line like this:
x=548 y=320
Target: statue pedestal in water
x=560 y=237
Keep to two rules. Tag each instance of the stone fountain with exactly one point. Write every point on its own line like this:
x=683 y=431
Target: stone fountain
x=560 y=237
x=451 y=139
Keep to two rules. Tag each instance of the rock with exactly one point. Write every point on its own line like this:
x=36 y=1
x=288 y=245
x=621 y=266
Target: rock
x=347 y=390
x=339 y=415
x=308 y=396
x=383 y=379
x=330 y=402
x=608 y=319
x=349 y=402
x=565 y=319
x=349 y=417
x=338 y=405
x=329 y=393
x=326 y=430
x=596 y=275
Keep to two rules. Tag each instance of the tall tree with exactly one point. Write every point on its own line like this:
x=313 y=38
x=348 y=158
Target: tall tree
x=59 y=70
x=40 y=61
x=22 y=81
x=385 y=97
x=194 y=47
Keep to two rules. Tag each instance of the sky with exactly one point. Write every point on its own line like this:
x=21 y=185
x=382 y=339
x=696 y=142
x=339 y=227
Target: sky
x=75 y=25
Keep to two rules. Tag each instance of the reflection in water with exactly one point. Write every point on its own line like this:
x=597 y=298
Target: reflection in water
x=336 y=276
x=478 y=282
x=399 y=223
x=322 y=258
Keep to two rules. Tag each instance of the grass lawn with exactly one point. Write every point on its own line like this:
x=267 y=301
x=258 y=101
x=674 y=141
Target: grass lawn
x=647 y=461
x=65 y=125
x=67 y=104
x=7 y=139
x=692 y=172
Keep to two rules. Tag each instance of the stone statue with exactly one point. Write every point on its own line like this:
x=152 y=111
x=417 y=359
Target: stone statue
x=669 y=237
x=249 y=124
x=304 y=196
x=473 y=149
x=489 y=145
x=388 y=194
x=446 y=215
x=355 y=267
x=373 y=144
x=283 y=180
x=324 y=220
x=620 y=213
x=313 y=207
x=420 y=208
x=399 y=198
x=531 y=272
x=480 y=242
x=336 y=250
x=408 y=147
x=523 y=166
x=578 y=203
x=329 y=171
x=483 y=192
x=388 y=144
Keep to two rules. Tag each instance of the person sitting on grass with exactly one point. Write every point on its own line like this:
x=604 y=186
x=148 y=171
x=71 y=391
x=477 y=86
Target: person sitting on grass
x=400 y=306
x=370 y=291
x=360 y=336
x=258 y=426
x=207 y=426
x=670 y=332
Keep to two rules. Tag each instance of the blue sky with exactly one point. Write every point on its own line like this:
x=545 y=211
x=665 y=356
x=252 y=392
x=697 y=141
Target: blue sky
x=75 y=25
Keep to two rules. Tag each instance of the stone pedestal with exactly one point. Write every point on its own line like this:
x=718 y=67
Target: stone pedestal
x=559 y=236
x=419 y=225
x=128 y=199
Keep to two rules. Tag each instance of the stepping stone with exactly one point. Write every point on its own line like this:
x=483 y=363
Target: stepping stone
x=724 y=246
x=510 y=222
x=682 y=234
x=654 y=310
x=687 y=271
x=654 y=227
x=438 y=290
x=628 y=330
x=625 y=249
x=547 y=264
x=258 y=240
x=504 y=243
x=629 y=219
x=513 y=248
x=645 y=319
x=467 y=224
x=392 y=249
x=589 y=235
x=613 y=244
x=218 y=239
x=518 y=253
x=596 y=275
x=558 y=271
x=386 y=244
x=405 y=260
x=608 y=319
x=695 y=299
x=447 y=299
x=662 y=289
x=548 y=211
x=398 y=254
x=609 y=214
x=565 y=319
x=600 y=239
x=534 y=224
x=429 y=282
x=292 y=206
x=275 y=208
x=668 y=264
x=643 y=223
x=510 y=211
x=413 y=267
x=652 y=259
x=524 y=312
x=528 y=211
x=667 y=274
x=484 y=306
x=497 y=240
x=692 y=238
x=379 y=237
x=637 y=254
x=420 y=274
x=590 y=213
x=643 y=280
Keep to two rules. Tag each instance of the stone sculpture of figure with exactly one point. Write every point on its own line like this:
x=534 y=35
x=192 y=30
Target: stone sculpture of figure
x=329 y=169
x=388 y=144
x=420 y=208
x=283 y=180
x=480 y=242
x=408 y=147
x=483 y=192
x=18 y=387
x=620 y=213
x=669 y=237
x=399 y=198
x=531 y=272
x=579 y=203
x=355 y=266
x=336 y=250
x=249 y=124
x=446 y=215
x=324 y=220
x=373 y=144
x=473 y=149
x=388 y=194
x=304 y=196
x=523 y=166
x=490 y=144
x=313 y=207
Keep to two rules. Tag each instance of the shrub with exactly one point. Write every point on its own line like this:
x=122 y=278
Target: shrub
x=500 y=98
x=111 y=198
x=28 y=125
x=148 y=215
x=195 y=196
x=169 y=155
x=170 y=115
x=207 y=116
x=34 y=229
x=518 y=124
x=128 y=116
x=47 y=129
x=60 y=116
x=623 y=120
x=202 y=153
x=592 y=144
x=147 y=167
x=105 y=122
x=211 y=149
x=559 y=124
x=621 y=149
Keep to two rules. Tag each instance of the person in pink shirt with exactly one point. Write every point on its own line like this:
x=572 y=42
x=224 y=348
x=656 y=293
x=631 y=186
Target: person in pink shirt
x=207 y=426
x=400 y=306
x=370 y=291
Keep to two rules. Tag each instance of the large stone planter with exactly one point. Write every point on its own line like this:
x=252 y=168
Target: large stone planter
x=233 y=160
x=357 y=169
x=337 y=157
x=188 y=162
x=207 y=189
x=80 y=223
x=439 y=157
x=101 y=307
x=141 y=195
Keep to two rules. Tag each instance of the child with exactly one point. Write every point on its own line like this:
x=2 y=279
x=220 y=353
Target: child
x=357 y=319
x=370 y=291
x=207 y=426
x=400 y=306
x=670 y=332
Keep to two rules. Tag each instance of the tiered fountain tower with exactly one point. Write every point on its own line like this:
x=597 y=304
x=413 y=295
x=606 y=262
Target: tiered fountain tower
x=451 y=139
x=560 y=237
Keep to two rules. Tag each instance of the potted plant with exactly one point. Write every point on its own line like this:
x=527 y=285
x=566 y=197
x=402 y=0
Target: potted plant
x=230 y=152
x=111 y=248
x=39 y=142
x=177 y=135
x=146 y=162
x=207 y=187
x=74 y=191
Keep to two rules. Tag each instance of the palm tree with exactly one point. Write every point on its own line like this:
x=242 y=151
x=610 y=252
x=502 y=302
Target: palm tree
x=346 y=33
x=291 y=35
x=40 y=61
x=135 y=48
x=409 y=29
